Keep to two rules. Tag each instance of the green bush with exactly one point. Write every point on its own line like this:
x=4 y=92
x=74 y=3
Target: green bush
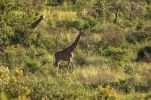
x=87 y=22
x=14 y=56
x=55 y=2
x=91 y=24
x=5 y=37
x=148 y=96
x=32 y=65
x=80 y=60
x=118 y=54
x=138 y=37
x=124 y=85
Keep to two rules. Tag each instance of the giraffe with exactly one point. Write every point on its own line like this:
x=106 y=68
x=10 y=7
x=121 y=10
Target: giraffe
x=35 y=24
x=66 y=54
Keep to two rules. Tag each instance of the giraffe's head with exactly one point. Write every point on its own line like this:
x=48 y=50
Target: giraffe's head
x=82 y=33
x=41 y=17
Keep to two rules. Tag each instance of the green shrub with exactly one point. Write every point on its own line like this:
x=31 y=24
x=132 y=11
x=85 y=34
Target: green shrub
x=40 y=54
x=80 y=58
x=91 y=24
x=125 y=85
x=14 y=56
x=118 y=54
x=138 y=37
x=5 y=37
x=88 y=23
x=148 y=96
x=32 y=65
x=44 y=42
x=21 y=36
x=55 y=2
x=148 y=14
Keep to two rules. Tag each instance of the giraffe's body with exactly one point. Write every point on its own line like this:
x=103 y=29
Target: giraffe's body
x=66 y=54
x=36 y=23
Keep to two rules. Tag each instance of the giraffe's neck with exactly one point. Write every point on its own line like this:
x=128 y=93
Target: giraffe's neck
x=70 y=48
x=35 y=24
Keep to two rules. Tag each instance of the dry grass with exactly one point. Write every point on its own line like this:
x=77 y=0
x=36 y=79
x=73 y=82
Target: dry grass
x=147 y=75
x=66 y=15
x=133 y=96
x=97 y=75
x=60 y=15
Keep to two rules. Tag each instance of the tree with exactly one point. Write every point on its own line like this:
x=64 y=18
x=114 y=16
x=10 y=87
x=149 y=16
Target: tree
x=115 y=6
x=100 y=10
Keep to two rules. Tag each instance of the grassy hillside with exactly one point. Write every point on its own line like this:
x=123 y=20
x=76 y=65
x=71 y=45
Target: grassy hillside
x=111 y=62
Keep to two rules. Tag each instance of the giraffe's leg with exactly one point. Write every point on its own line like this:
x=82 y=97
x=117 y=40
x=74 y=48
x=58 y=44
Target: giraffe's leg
x=56 y=63
x=71 y=60
x=57 y=66
x=68 y=64
x=73 y=66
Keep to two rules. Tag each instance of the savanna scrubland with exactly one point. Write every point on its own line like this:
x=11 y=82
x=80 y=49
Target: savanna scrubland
x=111 y=62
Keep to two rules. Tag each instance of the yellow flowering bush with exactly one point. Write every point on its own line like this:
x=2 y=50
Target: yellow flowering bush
x=4 y=77
x=106 y=93
x=13 y=84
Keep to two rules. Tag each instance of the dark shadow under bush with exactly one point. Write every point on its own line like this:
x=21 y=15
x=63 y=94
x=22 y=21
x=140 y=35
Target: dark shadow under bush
x=144 y=54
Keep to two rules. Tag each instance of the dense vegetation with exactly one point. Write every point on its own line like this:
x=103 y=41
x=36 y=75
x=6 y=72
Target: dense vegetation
x=112 y=61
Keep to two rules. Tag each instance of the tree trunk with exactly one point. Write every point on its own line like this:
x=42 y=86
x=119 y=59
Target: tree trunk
x=116 y=16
